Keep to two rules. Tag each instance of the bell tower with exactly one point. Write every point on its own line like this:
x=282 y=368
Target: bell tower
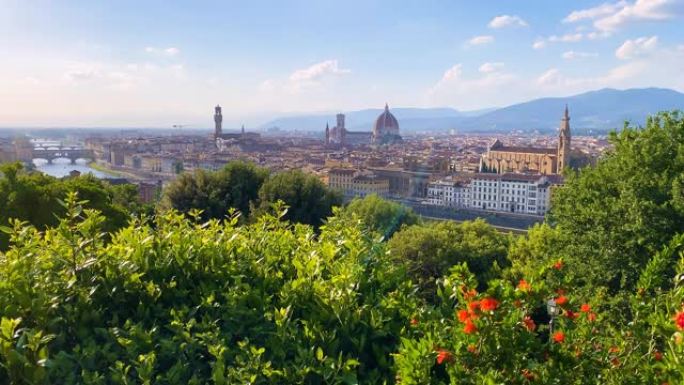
x=327 y=134
x=563 y=142
x=218 y=121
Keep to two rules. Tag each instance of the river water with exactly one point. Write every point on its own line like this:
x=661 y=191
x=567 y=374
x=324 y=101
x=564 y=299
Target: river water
x=61 y=167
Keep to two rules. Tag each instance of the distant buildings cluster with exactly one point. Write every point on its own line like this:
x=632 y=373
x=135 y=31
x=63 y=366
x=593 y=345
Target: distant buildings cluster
x=456 y=172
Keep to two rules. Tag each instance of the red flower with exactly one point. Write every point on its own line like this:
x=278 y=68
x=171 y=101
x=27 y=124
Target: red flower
x=463 y=315
x=615 y=361
x=523 y=286
x=558 y=265
x=414 y=322
x=679 y=320
x=571 y=314
x=591 y=317
x=489 y=304
x=658 y=355
x=444 y=356
x=472 y=348
x=469 y=327
x=529 y=323
x=473 y=306
x=585 y=308
x=558 y=337
x=468 y=294
x=562 y=300
x=613 y=349
x=529 y=376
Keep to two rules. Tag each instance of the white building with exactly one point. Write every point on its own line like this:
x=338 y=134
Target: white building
x=448 y=193
x=516 y=193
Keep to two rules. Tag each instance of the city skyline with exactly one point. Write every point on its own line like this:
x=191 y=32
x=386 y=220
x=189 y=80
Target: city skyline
x=80 y=63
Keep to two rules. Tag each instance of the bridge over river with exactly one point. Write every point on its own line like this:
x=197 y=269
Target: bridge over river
x=52 y=153
x=49 y=151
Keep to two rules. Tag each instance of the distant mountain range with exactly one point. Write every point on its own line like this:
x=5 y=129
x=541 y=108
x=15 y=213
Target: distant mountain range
x=594 y=111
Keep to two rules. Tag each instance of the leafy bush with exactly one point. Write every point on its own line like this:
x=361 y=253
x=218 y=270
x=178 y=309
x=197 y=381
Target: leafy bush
x=504 y=335
x=380 y=215
x=430 y=250
x=309 y=201
x=178 y=302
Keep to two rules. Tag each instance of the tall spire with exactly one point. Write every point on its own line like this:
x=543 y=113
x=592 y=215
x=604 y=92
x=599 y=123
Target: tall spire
x=327 y=133
x=564 y=139
x=386 y=107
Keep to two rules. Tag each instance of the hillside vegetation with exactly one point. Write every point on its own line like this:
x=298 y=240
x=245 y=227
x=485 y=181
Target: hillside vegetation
x=362 y=294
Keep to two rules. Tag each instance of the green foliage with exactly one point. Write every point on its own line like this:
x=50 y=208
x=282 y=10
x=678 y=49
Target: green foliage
x=234 y=186
x=503 y=335
x=380 y=215
x=33 y=197
x=623 y=209
x=430 y=250
x=178 y=302
x=308 y=200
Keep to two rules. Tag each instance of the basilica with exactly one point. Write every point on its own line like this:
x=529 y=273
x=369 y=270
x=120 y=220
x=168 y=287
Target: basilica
x=385 y=131
x=503 y=159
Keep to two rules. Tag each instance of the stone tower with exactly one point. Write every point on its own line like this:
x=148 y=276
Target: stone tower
x=564 y=142
x=327 y=134
x=218 y=121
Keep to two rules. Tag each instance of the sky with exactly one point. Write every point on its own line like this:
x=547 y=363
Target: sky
x=140 y=63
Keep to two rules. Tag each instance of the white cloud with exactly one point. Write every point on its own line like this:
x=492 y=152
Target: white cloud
x=609 y=17
x=486 y=68
x=504 y=21
x=594 y=12
x=170 y=51
x=637 y=47
x=480 y=40
x=539 y=44
x=550 y=76
x=452 y=73
x=308 y=78
x=567 y=38
x=572 y=55
x=118 y=76
x=466 y=90
x=469 y=91
x=317 y=71
x=623 y=76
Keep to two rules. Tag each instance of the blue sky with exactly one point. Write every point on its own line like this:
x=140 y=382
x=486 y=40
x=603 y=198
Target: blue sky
x=157 y=63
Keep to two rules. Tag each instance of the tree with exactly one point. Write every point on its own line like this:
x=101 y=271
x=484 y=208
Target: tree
x=381 y=215
x=309 y=201
x=622 y=210
x=430 y=250
x=234 y=186
x=34 y=197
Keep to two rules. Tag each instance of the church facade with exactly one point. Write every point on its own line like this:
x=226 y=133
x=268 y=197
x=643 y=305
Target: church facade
x=505 y=159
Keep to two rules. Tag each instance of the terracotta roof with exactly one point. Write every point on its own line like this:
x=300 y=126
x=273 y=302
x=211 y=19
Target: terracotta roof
x=346 y=171
x=526 y=150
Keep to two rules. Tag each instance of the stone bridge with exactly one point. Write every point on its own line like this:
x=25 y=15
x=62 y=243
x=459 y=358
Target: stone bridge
x=70 y=153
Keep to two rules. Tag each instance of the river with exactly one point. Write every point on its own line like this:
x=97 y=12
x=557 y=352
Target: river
x=61 y=167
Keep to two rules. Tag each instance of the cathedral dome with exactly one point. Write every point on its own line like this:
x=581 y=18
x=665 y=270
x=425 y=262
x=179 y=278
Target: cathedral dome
x=385 y=125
